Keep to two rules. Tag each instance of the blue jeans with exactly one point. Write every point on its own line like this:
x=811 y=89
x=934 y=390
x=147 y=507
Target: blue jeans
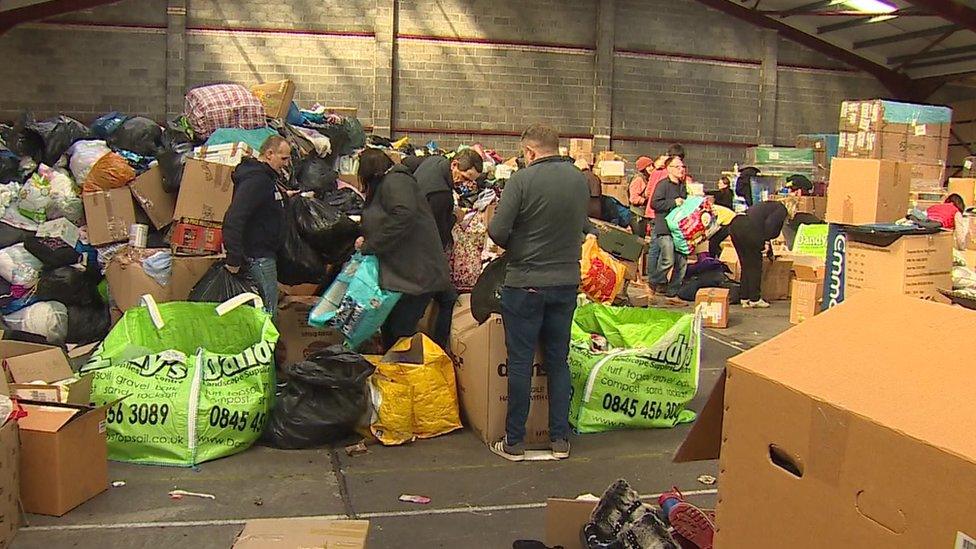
x=264 y=271
x=538 y=316
x=670 y=260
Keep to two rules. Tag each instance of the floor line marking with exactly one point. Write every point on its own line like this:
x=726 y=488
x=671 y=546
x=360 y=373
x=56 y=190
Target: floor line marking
x=723 y=342
x=374 y=515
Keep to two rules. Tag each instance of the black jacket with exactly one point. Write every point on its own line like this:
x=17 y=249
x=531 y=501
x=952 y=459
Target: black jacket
x=663 y=201
x=434 y=177
x=400 y=231
x=768 y=217
x=254 y=221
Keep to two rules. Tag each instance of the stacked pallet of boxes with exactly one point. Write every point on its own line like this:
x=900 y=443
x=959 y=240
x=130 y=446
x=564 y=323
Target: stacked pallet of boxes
x=824 y=146
x=896 y=148
x=775 y=164
x=886 y=130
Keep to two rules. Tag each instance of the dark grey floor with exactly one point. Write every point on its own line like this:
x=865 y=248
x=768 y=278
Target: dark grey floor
x=478 y=500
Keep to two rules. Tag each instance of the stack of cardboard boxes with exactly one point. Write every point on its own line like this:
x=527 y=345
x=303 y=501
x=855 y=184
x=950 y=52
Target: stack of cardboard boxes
x=611 y=168
x=886 y=150
x=824 y=146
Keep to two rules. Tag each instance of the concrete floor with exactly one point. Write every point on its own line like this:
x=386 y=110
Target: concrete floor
x=478 y=500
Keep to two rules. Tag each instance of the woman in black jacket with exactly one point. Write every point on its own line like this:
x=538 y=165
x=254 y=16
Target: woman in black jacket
x=399 y=229
x=751 y=235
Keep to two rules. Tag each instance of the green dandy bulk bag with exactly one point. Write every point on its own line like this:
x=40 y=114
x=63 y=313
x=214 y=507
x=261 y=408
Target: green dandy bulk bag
x=196 y=380
x=646 y=375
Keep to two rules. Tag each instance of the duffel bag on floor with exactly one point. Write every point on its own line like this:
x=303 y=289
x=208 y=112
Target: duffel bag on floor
x=197 y=381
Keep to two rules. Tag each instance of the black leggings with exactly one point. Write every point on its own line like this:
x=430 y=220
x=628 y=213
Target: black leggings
x=749 y=245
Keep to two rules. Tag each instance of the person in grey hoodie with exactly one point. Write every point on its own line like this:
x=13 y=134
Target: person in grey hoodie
x=539 y=221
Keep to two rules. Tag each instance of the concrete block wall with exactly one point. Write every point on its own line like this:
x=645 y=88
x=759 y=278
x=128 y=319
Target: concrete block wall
x=457 y=71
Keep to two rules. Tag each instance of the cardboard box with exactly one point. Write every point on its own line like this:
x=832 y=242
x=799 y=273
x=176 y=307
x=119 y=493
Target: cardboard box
x=128 y=281
x=927 y=177
x=299 y=339
x=25 y=364
x=159 y=205
x=64 y=456
x=619 y=242
x=565 y=519
x=894 y=131
x=482 y=379
x=228 y=154
x=611 y=171
x=305 y=532
x=964 y=187
x=805 y=299
x=867 y=191
x=109 y=215
x=914 y=265
x=807 y=267
x=59 y=228
x=581 y=148
x=9 y=478
x=817 y=419
x=617 y=190
x=197 y=237
x=776 y=276
x=205 y=191
x=714 y=303
x=276 y=97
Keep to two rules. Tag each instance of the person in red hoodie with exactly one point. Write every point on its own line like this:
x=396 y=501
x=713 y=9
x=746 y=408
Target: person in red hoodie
x=949 y=213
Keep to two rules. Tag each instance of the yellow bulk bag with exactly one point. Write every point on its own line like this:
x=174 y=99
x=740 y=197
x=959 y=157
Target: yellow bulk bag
x=602 y=275
x=417 y=392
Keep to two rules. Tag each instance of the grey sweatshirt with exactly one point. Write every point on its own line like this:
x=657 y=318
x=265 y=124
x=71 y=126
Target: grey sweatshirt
x=540 y=221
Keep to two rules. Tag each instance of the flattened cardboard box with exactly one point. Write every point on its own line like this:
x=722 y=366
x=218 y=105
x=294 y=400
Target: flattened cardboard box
x=482 y=379
x=159 y=205
x=109 y=215
x=302 y=533
x=835 y=420
x=64 y=456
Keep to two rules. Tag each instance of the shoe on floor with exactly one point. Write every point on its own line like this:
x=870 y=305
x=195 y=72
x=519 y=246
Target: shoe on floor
x=514 y=452
x=746 y=304
x=693 y=524
x=649 y=532
x=761 y=304
x=675 y=301
x=560 y=449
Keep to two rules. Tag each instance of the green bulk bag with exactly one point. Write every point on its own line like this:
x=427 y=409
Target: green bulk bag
x=196 y=380
x=647 y=376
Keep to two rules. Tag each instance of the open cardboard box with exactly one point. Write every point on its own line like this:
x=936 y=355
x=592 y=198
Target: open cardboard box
x=9 y=477
x=845 y=431
x=288 y=533
x=27 y=363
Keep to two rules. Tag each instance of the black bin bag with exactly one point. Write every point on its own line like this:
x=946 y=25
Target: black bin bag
x=139 y=135
x=218 y=285
x=321 y=401
x=326 y=229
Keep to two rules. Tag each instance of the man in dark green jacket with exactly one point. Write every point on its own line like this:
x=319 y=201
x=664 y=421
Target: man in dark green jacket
x=540 y=221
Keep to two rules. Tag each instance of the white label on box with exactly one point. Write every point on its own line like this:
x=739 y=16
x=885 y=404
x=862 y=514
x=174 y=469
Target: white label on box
x=964 y=542
x=920 y=130
x=861 y=139
x=774 y=155
x=968 y=164
x=712 y=311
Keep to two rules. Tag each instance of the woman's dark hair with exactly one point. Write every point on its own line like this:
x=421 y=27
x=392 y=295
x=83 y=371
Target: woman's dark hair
x=676 y=149
x=373 y=165
x=956 y=201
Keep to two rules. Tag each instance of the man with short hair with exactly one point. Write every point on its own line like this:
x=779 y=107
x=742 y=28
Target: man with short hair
x=668 y=195
x=254 y=222
x=437 y=177
x=540 y=221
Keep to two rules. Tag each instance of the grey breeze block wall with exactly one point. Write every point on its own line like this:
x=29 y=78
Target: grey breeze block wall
x=455 y=71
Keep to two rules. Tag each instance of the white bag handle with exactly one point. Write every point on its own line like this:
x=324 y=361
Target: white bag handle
x=157 y=318
x=239 y=300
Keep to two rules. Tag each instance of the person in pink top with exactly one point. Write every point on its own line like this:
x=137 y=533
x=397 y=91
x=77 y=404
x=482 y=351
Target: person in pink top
x=637 y=196
x=949 y=213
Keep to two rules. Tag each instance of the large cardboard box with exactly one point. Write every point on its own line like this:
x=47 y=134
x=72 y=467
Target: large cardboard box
x=298 y=338
x=304 y=532
x=776 y=276
x=894 y=131
x=914 y=265
x=158 y=204
x=805 y=299
x=228 y=154
x=715 y=307
x=482 y=379
x=109 y=215
x=205 y=191
x=840 y=426
x=867 y=191
x=617 y=190
x=581 y=148
x=128 y=281
x=565 y=519
x=276 y=97
x=64 y=456
x=9 y=478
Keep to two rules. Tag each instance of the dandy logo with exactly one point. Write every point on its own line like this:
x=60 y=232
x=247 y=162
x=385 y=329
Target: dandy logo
x=259 y=355
x=151 y=365
x=677 y=356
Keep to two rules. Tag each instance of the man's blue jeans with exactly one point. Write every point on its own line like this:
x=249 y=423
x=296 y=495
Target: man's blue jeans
x=264 y=271
x=538 y=316
x=670 y=260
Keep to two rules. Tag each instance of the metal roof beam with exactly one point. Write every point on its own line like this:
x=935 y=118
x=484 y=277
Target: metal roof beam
x=895 y=38
x=867 y=19
x=806 y=8
x=44 y=10
x=953 y=12
x=936 y=62
x=930 y=54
